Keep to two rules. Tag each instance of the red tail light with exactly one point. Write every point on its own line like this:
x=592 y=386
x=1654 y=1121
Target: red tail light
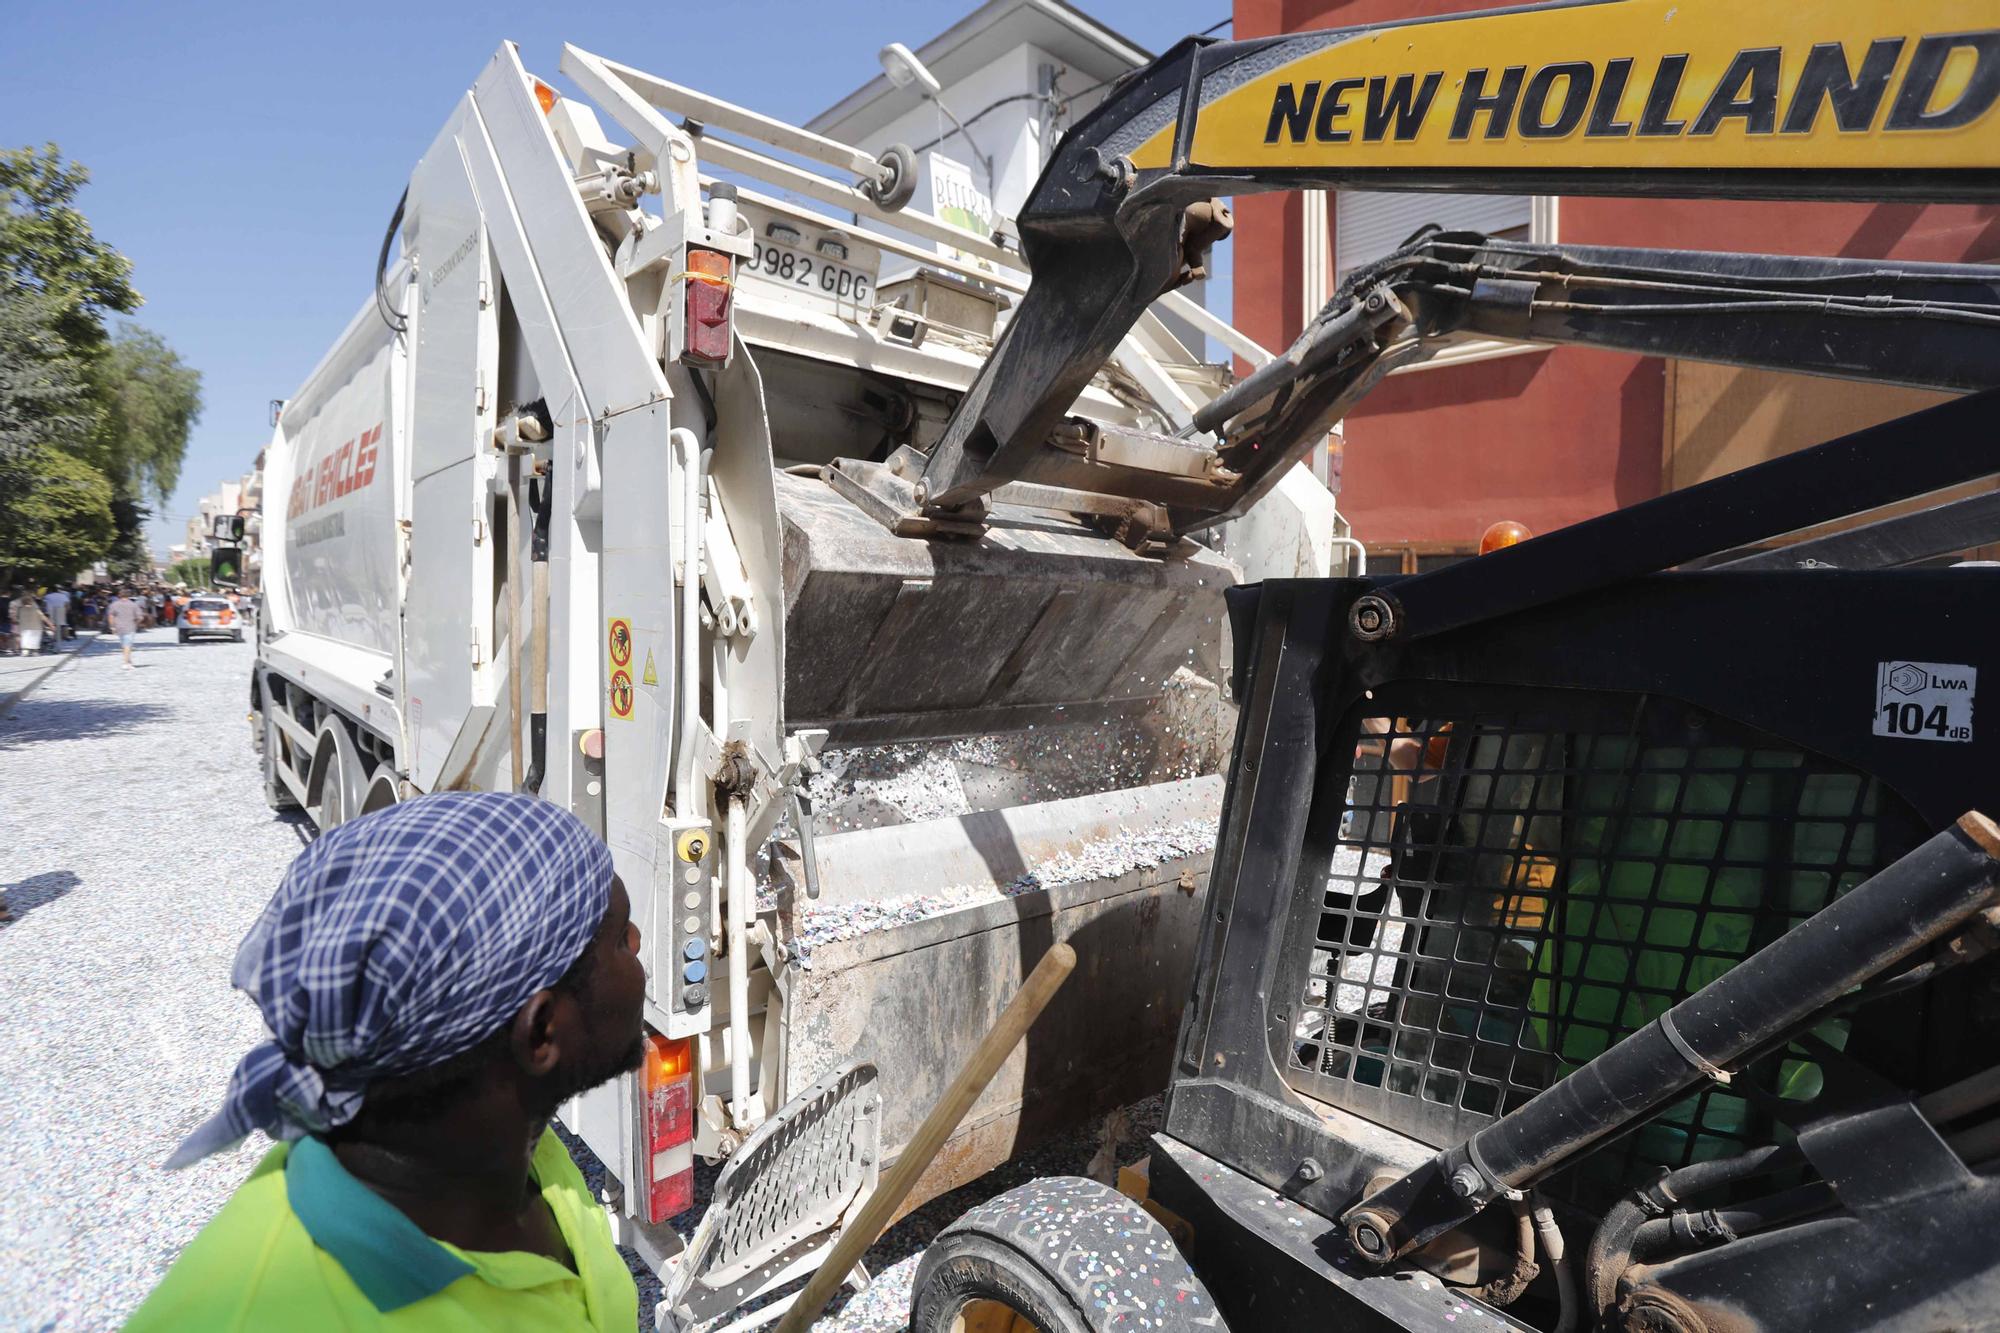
x=667 y=1116
x=708 y=301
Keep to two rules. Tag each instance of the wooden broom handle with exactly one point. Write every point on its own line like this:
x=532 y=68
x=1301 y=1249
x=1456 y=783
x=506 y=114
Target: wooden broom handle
x=977 y=1072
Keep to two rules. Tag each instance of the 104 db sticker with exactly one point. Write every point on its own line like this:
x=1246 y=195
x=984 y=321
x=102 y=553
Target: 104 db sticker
x=1924 y=701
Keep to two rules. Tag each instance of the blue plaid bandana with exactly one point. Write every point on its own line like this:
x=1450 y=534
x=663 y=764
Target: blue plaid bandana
x=398 y=941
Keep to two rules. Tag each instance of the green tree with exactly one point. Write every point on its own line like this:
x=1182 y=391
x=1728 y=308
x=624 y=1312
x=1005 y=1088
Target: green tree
x=148 y=400
x=47 y=246
x=57 y=519
x=129 y=553
x=122 y=403
x=45 y=397
x=55 y=507
x=193 y=572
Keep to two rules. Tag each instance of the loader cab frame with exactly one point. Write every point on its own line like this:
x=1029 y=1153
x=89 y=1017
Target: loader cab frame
x=1624 y=788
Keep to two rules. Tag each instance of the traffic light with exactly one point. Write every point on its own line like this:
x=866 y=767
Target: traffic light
x=225 y=566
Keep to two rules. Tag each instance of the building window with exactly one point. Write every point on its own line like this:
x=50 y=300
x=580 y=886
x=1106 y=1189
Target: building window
x=1368 y=224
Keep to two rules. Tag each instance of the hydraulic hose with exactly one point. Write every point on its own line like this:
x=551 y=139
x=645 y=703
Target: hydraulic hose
x=516 y=766
x=694 y=462
x=1639 y=1228
x=1505 y=1290
x=540 y=500
x=1610 y=1251
x=1556 y=1251
x=1695 y=1229
x=390 y=315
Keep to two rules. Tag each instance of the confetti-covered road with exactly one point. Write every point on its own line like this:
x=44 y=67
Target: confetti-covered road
x=135 y=850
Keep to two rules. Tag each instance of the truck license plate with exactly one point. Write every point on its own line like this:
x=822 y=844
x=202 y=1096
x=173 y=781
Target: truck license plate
x=815 y=275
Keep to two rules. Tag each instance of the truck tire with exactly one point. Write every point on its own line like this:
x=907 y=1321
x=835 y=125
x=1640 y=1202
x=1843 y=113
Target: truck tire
x=336 y=780
x=1062 y=1255
x=184 y=636
x=276 y=794
x=383 y=787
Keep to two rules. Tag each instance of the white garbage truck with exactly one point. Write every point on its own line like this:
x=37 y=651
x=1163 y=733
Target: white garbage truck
x=612 y=491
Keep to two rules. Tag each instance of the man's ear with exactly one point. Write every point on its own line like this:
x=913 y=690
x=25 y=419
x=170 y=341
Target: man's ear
x=536 y=1048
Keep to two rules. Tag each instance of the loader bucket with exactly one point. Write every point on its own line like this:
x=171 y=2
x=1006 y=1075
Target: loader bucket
x=899 y=638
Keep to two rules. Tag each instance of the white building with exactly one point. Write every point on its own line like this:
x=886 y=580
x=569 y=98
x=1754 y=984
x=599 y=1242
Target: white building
x=243 y=498
x=1017 y=73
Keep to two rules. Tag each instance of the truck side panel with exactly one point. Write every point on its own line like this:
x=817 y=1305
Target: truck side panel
x=449 y=620
x=334 y=534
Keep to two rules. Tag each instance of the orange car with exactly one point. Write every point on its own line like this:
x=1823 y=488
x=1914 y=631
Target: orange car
x=210 y=617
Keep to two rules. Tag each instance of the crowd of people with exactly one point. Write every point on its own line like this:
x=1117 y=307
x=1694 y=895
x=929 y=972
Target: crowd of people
x=38 y=620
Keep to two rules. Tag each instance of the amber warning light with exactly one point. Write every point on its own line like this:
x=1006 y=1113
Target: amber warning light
x=1502 y=534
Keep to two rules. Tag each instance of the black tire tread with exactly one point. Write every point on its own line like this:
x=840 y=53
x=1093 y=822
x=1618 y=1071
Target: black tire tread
x=1104 y=1254
x=276 y=794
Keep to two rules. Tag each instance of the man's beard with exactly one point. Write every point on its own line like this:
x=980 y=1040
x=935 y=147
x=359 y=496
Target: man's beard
x=596 y=1072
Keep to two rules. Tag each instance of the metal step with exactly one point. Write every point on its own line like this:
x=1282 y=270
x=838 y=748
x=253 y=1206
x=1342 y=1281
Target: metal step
x=781 y=1202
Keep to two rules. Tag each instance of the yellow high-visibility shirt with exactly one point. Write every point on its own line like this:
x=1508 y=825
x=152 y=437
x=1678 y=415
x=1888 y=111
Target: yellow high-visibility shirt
x=304 y=1247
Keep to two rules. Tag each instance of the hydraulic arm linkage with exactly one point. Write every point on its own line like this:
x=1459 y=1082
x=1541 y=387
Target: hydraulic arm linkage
x=1867 y=101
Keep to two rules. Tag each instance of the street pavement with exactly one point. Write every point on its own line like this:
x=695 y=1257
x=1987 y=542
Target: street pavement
x=135 y=851
x=21 y=672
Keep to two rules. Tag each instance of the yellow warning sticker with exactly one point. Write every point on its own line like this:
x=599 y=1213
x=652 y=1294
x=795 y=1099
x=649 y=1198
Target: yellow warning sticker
x=621 y=641
x=621 y=693
x=650 y=677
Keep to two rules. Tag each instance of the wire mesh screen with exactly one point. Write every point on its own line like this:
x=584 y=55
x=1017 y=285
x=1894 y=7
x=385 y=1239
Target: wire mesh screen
x=1511 y=890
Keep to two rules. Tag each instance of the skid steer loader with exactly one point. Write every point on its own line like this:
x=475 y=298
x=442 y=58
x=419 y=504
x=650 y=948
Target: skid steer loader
x=1601 y=930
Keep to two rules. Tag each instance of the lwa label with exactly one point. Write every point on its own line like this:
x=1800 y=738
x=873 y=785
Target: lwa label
x=1924 y=701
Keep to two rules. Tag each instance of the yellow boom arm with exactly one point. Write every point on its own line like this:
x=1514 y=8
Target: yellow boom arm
x=1860 y=100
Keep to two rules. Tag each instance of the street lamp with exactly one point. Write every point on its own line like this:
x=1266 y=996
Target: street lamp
x=900 y=63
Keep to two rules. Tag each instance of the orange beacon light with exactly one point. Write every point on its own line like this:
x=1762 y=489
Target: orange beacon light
x=1504 y=533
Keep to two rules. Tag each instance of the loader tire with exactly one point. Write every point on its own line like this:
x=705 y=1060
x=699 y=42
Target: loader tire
x=1062 y=1255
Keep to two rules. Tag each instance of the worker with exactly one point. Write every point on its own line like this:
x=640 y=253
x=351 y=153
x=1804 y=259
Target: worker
x=436 y=978
x=1418 y=828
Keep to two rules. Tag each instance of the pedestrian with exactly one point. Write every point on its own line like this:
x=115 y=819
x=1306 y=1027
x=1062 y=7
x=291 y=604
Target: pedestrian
x=56 y=603
x=436 y=978
x=122 y=618
x=30 y=622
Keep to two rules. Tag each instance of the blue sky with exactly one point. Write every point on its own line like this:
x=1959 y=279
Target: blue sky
x=247 y=156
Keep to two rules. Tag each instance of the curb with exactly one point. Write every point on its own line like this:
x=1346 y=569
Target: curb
x=8 y=704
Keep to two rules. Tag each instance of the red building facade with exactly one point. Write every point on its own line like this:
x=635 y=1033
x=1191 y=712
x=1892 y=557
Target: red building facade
x=1552 y=436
